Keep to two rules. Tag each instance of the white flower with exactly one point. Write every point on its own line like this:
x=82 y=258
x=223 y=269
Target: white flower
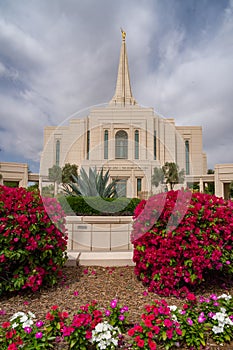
x=31 y=314
x=23 y=318
x=15 y=325
x=217 y=329
x=173 y=307
x=104 y=335
x=219 y=316
x=16 y=315
x=225 y=296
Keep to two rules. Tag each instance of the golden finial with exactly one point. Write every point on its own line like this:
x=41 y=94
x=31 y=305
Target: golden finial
x=123 y=33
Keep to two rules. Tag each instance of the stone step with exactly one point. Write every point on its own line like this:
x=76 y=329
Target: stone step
x=100 y=258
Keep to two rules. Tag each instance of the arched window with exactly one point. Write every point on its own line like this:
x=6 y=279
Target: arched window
x=121 y=144
x=136 y=144
x=57 y=159
x=106 y=144
x=187 y=164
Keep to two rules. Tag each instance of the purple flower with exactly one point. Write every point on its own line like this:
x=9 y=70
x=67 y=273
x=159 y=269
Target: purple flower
x=2 y=312
x=113 y=303
x=39 y=335
x=39 y=324
x=28 y=330
x=107 y=312
x=211 y=314
x=216 y=303
x=190 y=322
x=228 y=262
x=126 y=308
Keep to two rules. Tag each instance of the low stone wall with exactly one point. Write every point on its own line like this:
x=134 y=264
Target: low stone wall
x=99 y=233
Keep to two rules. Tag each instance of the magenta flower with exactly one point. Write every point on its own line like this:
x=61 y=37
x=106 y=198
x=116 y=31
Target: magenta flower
x=201 y=317
x=39 y=335
x=107 y=313
x=28 y=330
x=113 y=303
x=214 y=297
x=39 y=324
x=189 y=321
x=121 y=317
x=75 y=293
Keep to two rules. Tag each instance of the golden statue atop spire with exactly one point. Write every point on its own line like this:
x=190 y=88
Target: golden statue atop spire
x=123 y=33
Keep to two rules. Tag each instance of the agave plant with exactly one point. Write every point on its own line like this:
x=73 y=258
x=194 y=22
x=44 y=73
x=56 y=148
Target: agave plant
x=94 y=184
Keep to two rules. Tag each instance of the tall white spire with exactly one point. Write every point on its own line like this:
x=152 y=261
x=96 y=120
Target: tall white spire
x=123 y=94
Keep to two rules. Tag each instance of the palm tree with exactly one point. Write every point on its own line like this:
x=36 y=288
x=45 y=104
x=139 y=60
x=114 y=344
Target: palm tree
x=67 y=171
x=157 y=177
x=55 y=175
x=172 y=174
x=94 y=184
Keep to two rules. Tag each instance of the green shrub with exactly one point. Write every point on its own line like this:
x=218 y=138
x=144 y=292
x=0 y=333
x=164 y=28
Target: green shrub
x=32 y=240
x=98 y=206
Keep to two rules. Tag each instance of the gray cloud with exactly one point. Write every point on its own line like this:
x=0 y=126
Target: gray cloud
x=59 y=57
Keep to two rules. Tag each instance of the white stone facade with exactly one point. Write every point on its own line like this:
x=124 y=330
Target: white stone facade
x=125 y=138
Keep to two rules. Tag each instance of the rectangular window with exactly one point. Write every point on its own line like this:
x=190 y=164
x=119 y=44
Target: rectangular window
x=155 y=146
x=187 y=165
x=139 y=186
x=136 y=148
x=88 y=143
x=121 y=187
x=57 y=158
x=106 y=144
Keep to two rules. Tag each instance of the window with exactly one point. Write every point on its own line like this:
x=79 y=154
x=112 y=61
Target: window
x=106 y=144
x=121 y=187
x=187 y=164
x=121 y=144
x=88 y=143
x=57 y=155
x=139 y=186
x=136 y=144
x=155 y=148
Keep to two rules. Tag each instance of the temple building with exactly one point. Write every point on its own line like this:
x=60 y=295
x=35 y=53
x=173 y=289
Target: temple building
x=126 y=138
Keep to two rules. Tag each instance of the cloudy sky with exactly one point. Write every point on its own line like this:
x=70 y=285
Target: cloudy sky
x=59 y=57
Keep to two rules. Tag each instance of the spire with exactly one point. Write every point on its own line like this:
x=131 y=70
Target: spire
x=123 y=94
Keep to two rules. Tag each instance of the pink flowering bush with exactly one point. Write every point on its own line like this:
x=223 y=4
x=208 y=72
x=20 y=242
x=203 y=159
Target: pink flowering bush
x=32 y=243
x=181 y=237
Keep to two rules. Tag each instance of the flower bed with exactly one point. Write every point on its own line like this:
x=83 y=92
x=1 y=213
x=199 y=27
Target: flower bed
x=161 y=326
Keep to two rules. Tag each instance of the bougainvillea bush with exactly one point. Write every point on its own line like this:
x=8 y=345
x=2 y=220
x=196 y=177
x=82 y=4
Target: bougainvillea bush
x=180 y=238
x=32 y=242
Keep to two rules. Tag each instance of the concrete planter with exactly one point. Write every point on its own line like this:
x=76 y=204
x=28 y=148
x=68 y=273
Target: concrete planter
x=99 y=233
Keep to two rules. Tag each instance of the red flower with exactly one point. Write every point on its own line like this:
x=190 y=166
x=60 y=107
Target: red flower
x=49 y=316
x=12 y=347
x=191 y=297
